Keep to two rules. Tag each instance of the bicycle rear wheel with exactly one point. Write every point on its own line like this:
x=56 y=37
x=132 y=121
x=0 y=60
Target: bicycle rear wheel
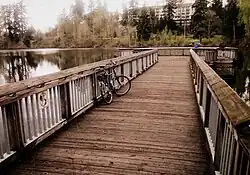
x=106 y=94
x=122 y=85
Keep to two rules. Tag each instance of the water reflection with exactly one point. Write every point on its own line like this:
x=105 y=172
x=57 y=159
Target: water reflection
x=246 y=94
x=19 y=65
x=240 y=82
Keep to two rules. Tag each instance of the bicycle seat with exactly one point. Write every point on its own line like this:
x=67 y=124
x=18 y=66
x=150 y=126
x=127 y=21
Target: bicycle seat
x=102 y=66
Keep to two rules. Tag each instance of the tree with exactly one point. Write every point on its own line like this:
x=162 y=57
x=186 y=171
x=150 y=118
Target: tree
x=199 y=22
x=217 y=8
x=216 y=17
x=245 y=15
x=77 y=12
x=169 y=10
x=125 y=16
x=143 y=27
x=233 y=29
x=14 y=23
x=133 y=13
x=214 y=23
x=153 y=20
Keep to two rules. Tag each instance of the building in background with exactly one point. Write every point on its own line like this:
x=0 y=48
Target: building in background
x=183 y=12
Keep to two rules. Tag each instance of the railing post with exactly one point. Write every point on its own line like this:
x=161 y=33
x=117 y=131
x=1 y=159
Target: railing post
x=201 y=90
x=65 y=100
x=207 y=108
x=130 y=69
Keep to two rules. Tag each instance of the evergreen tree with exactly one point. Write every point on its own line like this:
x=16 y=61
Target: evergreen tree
x=169 y=10
x=199 y=22
x=125 y=16
x=143 y=27
x=153 y=20
x=14 y=22
x=133 y=13
x=217 y=8
x=245 y=14
x=233 y=29
x=161 y=24
x=216 y=17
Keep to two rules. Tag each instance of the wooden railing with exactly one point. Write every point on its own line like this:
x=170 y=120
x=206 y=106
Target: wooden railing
x=33 y=109
x=225 y=118
x=208 y=53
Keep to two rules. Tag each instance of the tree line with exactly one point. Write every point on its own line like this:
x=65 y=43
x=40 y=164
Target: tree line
x=90 y=24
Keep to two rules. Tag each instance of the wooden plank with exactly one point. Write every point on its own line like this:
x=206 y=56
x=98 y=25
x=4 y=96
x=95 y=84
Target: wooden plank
x=12 y=89
x=144 y=132
x=231 y=104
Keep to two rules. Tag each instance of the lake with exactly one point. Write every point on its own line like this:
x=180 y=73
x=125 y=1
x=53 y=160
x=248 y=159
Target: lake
x=20 y=65
x=240 y=82
x=23 y=64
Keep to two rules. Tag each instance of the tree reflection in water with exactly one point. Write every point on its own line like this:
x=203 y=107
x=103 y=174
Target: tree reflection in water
x=242 y=74
x=16 y=66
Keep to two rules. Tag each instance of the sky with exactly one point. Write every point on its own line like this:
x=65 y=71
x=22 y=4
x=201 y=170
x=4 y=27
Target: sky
x=43 y=14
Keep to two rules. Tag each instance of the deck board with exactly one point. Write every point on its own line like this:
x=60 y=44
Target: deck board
x=154 y=129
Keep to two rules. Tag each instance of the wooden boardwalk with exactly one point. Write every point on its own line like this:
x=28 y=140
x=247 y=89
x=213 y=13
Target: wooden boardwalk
x=155 y=129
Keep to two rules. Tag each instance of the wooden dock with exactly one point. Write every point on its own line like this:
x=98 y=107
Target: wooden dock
x=155 y=129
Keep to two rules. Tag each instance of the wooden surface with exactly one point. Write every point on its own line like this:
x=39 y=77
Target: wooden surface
x=17 y=90
x=235 y=109
x=154 y=129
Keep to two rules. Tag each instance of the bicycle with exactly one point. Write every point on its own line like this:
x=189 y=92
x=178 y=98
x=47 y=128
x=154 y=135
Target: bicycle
x=109 y=83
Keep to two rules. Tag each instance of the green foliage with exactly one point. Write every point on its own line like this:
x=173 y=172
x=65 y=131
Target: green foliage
x=169 y=14
x=14 y=23
x=233 y=29
x=144 y=27
x=217 y=8
x=133 y=13
x=199 y=22
x=245 y=15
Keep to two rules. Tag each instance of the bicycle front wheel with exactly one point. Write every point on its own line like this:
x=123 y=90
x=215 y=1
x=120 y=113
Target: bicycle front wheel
x=122 y=85
x=106 y=94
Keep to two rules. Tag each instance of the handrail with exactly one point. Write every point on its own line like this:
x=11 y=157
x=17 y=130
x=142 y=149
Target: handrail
x=33 y=109
x=14 y=88
x=224 y=115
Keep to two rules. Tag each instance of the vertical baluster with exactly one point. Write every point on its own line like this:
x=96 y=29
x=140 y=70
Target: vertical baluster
x=231 y=154
x=71 y=97
x=88 y=90
x=45 y=114
x=53 y=106
x=6 y=131
x=224 y=146
x=49 y=109
x=57 y=101
x=83 y=92
x=80 y=93
x=227 y=153
x=35 y=115
x=76 y=95
x=30 y=117
x=40 y=115
x=91 y=89
x=2 y=135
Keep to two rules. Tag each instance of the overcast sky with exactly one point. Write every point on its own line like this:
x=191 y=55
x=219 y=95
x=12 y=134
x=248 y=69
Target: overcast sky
x=43 y=14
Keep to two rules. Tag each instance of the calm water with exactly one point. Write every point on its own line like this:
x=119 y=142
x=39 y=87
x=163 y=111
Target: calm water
x=241 y=80
x=20 y=65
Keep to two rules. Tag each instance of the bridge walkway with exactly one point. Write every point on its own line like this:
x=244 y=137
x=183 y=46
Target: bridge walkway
x=154 y=129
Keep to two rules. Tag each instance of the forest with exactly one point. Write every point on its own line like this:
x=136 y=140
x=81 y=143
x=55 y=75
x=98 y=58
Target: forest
x=90 y=24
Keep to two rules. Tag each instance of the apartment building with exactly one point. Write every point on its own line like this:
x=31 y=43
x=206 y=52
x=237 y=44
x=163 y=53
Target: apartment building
x=183 y=12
